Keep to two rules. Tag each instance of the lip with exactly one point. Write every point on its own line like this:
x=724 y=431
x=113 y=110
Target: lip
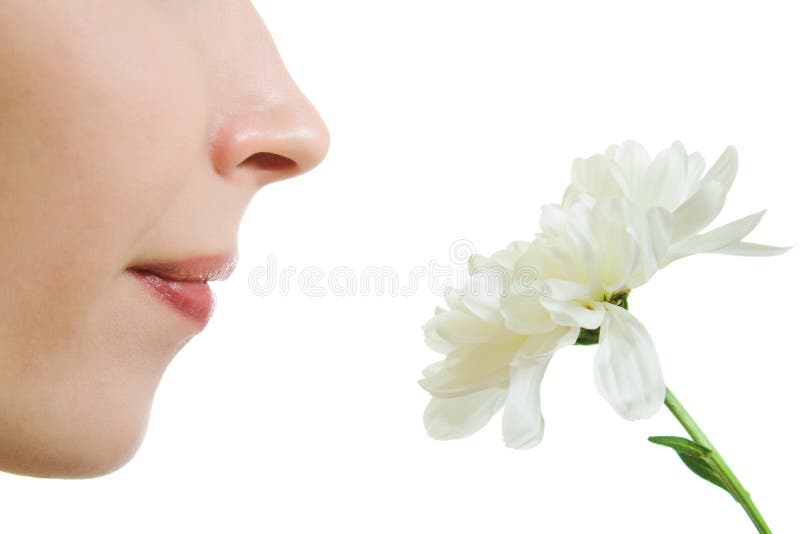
x=182 y=284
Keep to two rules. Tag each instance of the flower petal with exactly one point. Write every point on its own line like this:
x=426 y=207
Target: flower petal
x=536 y=263
x=525 y=314
x=664 y=182
x=503 y=259
x=632 y=158
x=523 y=425
x=458 y=327
x=653 y=230
x=459 y=417
x=627 y=372
x=538 y=345
x=660 y=223
x=483 y=291
x=471 y=368
x=724 y=170
x=552 y=218
x=593 y=175
x=433 y=368
x=570 y=313
x=512 y=252
x=698 y=211
x=752 y=249
x=616 y=244
x=560 y=289
x=436 y=343
x=716 y=239
x=452 y=297
x=579 y=230
x=695 y=165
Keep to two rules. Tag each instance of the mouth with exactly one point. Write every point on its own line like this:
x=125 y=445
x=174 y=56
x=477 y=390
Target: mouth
x=183 y=284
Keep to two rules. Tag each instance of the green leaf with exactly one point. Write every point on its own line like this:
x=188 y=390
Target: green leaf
x=696 y=457
x=681 y=445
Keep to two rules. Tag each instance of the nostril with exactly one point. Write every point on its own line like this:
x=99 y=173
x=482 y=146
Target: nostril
x=268 y=161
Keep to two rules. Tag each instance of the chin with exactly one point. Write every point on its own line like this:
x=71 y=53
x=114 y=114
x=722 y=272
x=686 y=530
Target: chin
x=84 y=425
x=90 y=444
x=78 y=404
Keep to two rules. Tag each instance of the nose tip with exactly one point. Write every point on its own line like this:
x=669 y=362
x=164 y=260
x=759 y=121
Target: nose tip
x=269 y=141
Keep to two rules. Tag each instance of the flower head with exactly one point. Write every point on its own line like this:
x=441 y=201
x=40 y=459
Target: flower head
x=622 y=218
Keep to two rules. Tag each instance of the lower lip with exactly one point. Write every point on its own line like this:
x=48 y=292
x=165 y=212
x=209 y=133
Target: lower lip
x=192 y=298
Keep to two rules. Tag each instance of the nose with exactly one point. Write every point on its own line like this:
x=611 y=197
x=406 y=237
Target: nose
x=269 y=137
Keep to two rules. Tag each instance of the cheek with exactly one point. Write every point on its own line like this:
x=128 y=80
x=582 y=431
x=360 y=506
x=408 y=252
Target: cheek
x=99 y=149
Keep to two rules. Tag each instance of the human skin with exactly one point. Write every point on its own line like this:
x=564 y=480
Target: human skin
x=130 y=131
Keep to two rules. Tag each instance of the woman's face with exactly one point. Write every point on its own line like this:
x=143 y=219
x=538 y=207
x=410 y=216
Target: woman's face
x=132 y=134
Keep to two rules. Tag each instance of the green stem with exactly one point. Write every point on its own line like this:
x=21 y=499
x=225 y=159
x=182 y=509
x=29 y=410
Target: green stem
x=737 y=490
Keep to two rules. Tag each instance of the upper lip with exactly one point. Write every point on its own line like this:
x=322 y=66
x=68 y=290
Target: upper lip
x=198 y=269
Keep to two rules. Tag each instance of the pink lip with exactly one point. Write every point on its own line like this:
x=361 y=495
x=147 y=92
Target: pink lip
x=183 y=284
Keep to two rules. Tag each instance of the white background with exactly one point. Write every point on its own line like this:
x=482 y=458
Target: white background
x=457 y=120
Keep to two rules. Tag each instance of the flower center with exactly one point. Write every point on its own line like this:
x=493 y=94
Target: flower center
x=592 y=337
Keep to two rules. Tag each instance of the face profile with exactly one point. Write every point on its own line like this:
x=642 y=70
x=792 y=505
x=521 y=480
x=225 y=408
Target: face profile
x=133 y=135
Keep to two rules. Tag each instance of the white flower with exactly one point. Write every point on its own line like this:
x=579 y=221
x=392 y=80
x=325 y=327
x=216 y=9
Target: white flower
x=523 y=304
x=622 y=218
